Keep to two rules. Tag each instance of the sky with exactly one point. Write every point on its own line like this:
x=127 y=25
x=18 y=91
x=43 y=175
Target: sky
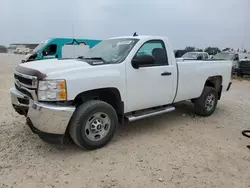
x=199 y=23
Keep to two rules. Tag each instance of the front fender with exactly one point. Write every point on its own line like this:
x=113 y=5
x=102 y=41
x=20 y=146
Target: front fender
x=105 y=76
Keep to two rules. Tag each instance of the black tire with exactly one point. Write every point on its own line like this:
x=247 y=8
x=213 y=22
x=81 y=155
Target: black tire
x=200 y=103
x=84 y=113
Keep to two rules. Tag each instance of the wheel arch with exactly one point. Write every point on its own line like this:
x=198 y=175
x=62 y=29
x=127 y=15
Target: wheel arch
x=215 y=82
x=111 y=95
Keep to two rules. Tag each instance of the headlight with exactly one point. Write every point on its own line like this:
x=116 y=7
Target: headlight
x=52 y=90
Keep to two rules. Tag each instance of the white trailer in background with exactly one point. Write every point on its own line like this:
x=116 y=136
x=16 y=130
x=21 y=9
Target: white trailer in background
x=74 y=51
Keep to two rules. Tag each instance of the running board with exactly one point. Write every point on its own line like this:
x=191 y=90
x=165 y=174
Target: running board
x=150 y=113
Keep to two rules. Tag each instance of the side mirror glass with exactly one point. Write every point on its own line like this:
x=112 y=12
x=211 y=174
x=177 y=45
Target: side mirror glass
x=142 y=60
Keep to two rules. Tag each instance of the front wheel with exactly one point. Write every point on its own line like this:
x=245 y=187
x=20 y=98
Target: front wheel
x=207 y=102
x=93 y=124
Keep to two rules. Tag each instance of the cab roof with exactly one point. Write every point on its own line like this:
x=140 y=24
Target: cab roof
x=148 y=37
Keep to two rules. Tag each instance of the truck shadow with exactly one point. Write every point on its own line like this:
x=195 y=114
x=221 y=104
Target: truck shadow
x=183 y=112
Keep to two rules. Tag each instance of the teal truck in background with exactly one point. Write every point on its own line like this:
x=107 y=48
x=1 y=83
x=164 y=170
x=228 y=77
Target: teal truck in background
x=53 y=48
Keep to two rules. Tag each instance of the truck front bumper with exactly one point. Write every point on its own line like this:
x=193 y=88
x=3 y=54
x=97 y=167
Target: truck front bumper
x=49 y=121
x=19 y=102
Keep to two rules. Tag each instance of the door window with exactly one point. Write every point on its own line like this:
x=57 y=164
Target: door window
x=155 y=48
x=50 y=50
x=200 y=56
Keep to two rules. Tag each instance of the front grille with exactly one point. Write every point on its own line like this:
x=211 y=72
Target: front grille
x=23 y=80
x=244 y=65
x=24 y=91
x=26 y=84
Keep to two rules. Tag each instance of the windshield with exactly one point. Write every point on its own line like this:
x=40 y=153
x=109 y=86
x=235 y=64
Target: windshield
x=112 y=50
x=224 y=56
x=190 y=55
x=39 y=47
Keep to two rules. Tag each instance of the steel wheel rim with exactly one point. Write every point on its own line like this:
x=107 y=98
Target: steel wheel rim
x=97 y=126
x=209 y=102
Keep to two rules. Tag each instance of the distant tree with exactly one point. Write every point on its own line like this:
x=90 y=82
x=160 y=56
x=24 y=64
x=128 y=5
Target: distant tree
x=212 y=50
x=226 y=49
x=199 y=50
x=245 y=51
x=190 y=48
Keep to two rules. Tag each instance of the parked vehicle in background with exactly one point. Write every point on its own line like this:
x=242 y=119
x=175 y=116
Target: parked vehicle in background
x=196 y=55
x=3 y=49
x=52 y=48
x=120 y=79
x=243 y=68
x=179 y=53
x=211 y=56
x=17 y=51
x=233 y=57
x=25 y=51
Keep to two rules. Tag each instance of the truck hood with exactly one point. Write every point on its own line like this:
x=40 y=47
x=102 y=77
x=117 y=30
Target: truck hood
x=53 y=65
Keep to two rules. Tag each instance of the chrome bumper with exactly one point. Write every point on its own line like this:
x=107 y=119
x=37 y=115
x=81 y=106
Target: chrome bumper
x=50 y=118
x=18 y=99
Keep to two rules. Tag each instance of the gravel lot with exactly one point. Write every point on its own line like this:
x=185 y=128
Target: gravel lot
x=173 y=150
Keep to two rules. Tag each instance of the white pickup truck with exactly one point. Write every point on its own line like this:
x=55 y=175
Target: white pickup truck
x=123 y=78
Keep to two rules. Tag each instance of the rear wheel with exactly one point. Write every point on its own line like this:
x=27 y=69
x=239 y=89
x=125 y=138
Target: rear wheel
x=93 y=124
x=207 y=102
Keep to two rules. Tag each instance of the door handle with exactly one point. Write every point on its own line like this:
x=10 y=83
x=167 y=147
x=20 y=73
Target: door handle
x=166 y=73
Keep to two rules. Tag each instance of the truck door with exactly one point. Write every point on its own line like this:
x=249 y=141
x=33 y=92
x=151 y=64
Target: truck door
x=152 y=84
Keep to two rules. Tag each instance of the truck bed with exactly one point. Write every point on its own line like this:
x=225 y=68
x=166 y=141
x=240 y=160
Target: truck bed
x=193 y=74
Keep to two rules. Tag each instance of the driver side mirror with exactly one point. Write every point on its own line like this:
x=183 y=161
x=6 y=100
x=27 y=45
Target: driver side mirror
x=142 y=60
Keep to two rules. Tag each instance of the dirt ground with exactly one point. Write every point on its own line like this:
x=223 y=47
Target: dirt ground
x=178 y=149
